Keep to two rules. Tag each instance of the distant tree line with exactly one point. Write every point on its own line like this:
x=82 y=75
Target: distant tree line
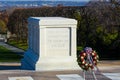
x=98 y=25
x=18 y=19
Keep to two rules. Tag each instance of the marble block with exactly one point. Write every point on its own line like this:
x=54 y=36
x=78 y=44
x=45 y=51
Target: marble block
x=52 y=44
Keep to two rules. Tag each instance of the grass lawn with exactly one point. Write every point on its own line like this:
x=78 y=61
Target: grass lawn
x=19 y=44
x=8 y=56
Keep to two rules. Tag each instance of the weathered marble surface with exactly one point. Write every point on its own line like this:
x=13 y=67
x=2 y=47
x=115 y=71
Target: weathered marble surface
x=52 y=44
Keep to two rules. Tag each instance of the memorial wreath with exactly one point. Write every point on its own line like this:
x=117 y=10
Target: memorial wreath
x=87 y=59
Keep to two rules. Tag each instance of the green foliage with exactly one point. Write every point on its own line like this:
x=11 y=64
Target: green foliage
x=109 y=38
x=77 y=15
x=99 y=29
x=19 y=44
x=101 y=37
x=8 y=56
x=97 y=25
x=2 y=26
x=79 y=48
x=17 y=23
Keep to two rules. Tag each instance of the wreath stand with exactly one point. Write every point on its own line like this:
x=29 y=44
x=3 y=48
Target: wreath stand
x=95 y=68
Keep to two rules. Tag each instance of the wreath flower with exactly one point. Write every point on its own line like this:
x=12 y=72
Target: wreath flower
x=87 y=59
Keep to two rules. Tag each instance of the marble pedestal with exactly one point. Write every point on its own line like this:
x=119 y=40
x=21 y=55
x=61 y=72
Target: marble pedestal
x=52 y=44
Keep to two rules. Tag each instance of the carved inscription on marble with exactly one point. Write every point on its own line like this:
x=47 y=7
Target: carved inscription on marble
x=58 y=40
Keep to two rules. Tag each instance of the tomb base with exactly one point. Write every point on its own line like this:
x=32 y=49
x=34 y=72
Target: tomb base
x=33 y=62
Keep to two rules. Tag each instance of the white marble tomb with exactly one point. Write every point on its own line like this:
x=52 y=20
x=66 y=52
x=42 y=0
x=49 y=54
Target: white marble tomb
x=52 y=44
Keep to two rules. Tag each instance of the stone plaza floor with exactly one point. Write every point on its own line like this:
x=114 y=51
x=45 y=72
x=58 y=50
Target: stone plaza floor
x=109 y=70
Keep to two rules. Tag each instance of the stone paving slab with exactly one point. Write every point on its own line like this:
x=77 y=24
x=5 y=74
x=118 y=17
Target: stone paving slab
x=113 y=76
x=99 y=76
x=10 y=70
x=52 y=75
x=21 y=78
x=70 y=77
